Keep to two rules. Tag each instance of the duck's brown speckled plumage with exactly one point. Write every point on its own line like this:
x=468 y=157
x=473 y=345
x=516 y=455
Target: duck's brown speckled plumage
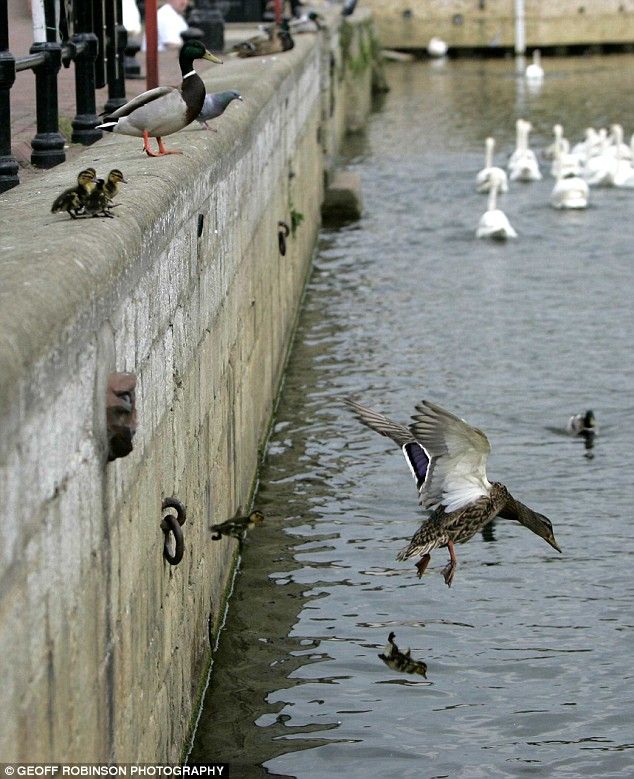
x=458 y=526
x=447 y=458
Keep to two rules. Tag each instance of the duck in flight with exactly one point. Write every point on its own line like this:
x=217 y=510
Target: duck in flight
x=447 y=458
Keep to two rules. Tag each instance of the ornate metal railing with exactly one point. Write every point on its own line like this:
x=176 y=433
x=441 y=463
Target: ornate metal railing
x=90 y=35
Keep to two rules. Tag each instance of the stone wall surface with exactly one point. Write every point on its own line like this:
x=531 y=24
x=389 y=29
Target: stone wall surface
x=105 y=646
x=491 y=23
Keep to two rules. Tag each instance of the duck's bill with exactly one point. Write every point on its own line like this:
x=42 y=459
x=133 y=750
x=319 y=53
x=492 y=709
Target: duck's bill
x=554 y=545
x=212 y=57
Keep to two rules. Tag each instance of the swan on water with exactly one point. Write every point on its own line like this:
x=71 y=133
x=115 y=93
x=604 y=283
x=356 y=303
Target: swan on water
x=523 y=165
x=608 y=169
x=535 y=72
x=570 y=191
x=490 y=171
x=493 y=223
x=437 y=47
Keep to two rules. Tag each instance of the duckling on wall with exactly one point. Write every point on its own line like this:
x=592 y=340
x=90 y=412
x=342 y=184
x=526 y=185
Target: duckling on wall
x=73 y=199
x=99 y=202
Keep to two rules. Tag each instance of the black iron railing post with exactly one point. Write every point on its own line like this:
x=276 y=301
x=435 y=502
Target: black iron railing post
x=117 y=38
x=86 y=121
x=8 y=163
x=208 y=18
x=48 y=143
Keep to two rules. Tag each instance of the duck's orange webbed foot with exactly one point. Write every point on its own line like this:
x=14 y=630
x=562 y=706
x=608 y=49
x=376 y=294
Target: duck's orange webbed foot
x=422 y=564
x=450 y=569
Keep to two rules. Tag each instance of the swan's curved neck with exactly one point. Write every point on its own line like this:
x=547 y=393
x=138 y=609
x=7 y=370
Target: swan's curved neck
x=488 y=156
x=493 y=197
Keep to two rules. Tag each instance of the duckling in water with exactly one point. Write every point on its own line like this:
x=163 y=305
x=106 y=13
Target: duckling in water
x=236 y=526
x=401 y=661
x=74 y=199
x=585 y=426
x=99 y=202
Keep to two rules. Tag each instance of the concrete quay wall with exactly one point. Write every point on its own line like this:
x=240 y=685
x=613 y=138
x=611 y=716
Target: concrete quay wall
x=105 y=646
x=409 y=24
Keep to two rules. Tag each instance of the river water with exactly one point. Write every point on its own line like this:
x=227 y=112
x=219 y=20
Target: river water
x=530 y=652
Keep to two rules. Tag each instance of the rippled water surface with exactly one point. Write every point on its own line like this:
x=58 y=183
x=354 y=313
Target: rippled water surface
x=529 y=653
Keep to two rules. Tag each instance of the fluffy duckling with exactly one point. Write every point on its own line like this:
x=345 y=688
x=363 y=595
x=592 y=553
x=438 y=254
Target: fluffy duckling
x=489 y=172
x=74 y=199
x=164 y=110
x=401 y=661
x=215 y=105
x=99 y=202
x=236 y=526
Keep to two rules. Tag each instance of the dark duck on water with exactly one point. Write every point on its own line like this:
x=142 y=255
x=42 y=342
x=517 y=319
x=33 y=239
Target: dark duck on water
x=447 y=458
x=585 y=426
x=164 y=110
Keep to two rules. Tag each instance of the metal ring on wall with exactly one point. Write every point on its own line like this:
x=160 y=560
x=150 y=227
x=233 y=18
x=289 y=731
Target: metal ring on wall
x=172 y=525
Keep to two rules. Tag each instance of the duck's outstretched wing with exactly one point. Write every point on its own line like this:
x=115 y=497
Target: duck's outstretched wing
x=415 y=455
x=458 y=453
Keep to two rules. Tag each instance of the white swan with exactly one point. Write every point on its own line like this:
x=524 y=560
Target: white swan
x=437 y=47
x=523 y=165
x=616 y=143
x=608 y=169
x=565 y=163
x=484 y=177
x=584 y=149
x=535 y=72
x=493 y=223
x=570 y=191
x=550 y=152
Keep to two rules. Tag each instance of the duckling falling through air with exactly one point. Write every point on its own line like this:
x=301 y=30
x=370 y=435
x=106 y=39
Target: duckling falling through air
x=74 y=199
x=401 y=661
x=447 y=458
x=237 y=526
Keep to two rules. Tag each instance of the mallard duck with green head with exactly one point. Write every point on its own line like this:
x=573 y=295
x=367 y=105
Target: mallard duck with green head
x=164 y=110
x=447 y=458
x=73 y=199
